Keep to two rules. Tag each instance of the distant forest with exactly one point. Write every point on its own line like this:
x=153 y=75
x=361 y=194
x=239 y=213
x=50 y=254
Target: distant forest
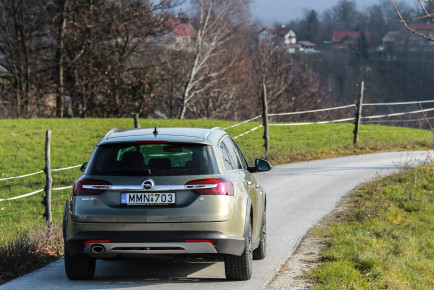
x=112 y=58
x=400 y=72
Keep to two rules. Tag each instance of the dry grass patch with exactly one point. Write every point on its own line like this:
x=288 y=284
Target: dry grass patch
x=31 y=251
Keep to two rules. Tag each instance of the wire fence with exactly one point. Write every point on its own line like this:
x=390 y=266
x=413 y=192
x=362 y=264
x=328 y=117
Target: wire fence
x=334 y=138
x=23 y=214
x=312 y=111
x=398 y=104
x=272 y=124
x=398 y=114
x=328 y=138
x=40 y=190
x=363 y=119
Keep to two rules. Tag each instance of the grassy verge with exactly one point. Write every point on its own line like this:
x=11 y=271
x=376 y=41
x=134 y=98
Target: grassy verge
x=30 y=251
x=22 y=152
x=386 y=238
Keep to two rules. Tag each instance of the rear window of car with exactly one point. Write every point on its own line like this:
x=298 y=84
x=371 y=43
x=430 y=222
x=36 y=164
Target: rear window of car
x=153 y=159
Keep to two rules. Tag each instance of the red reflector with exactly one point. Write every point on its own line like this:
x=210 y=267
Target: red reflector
x=79 y=190
x=96 y=242
x=151 y=142
x=223 y=186
x=200 y=241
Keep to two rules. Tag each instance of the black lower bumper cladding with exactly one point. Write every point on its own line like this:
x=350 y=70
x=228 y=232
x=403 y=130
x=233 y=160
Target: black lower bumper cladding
x=223 y=244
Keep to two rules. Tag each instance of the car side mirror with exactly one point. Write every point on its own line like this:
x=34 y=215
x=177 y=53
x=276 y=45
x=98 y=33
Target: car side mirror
x=83 y=167
x=261 y=165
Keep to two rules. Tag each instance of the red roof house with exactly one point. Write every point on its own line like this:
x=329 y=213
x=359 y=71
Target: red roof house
x=184 y=34
x=426 y=29
x=346 y=39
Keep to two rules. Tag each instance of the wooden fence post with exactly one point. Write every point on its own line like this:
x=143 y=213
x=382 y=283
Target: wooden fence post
x=265 y=117
x=49 y=180
x=136 y=120
x=358 y=114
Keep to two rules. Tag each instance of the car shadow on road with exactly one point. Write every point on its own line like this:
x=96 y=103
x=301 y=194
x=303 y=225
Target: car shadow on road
x=157 y=271
x=307 y=170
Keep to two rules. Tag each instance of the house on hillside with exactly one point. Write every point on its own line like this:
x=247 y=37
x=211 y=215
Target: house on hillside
x=347 y=39
x=267 y=34
x=282 y=36
x=307 y=47
x=405 y=40
x=395 y=40
x=286 y=37
x=424 y=29
x=182 y=35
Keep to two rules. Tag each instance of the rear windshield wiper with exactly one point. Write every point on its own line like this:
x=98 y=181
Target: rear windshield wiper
x=130 y=170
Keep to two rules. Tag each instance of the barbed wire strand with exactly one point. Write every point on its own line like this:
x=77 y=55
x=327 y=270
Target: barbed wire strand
x=311 y=111
x=62 y=188
x=247 y=144
x=397 y=121
x=256 y=128
x=250 y=120
x=22 y=226
x=21 y=176
x=37 y=206
x=313 y=123
x=59 y=197
x=314 y=132
x=382 y=131
x=66 y=168
x=398 y=114
x=21 y=211
x=395 y=104
x=39 y=172
x=311 y=140
x=35 y=192
x=22 y=196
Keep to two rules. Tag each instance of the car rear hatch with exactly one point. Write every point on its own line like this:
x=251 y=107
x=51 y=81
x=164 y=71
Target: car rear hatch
x=152 y=183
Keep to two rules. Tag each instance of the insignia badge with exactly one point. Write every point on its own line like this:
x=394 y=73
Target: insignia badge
x=148 y=184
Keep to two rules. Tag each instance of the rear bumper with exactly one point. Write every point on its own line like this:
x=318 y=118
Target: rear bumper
x=154 y=242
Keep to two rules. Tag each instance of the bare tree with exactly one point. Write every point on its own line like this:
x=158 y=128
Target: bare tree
x=18 y=27
x=345 y=13
x=115 y=41
x=424 y=15
x=291 y=84
x=218 y=24
x=60 y=8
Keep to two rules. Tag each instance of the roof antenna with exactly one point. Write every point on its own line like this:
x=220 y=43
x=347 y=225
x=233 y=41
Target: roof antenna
x=155 y=132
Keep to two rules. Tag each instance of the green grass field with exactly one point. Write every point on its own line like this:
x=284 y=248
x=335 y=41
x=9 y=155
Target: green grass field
x=22 y=152
x=386 y=239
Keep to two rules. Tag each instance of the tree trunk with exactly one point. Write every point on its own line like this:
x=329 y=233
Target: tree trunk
x=60 y=99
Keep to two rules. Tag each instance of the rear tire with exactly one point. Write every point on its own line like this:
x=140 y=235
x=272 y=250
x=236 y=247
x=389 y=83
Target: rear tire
x=260 y=252
x=240 y=267
x=80 y=267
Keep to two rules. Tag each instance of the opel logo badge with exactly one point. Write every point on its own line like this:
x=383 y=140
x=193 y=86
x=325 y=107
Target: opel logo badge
x=148 y=184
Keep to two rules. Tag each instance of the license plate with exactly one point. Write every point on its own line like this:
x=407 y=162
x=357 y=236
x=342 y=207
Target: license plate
x=147 y=198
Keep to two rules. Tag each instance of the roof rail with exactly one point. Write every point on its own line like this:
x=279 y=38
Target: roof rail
x=109 y=133
x=210 y=130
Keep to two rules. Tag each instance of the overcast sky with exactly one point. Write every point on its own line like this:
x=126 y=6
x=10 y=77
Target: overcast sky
x=270 y=11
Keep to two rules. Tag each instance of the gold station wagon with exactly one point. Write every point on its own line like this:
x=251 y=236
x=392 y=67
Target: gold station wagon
x=166 y=191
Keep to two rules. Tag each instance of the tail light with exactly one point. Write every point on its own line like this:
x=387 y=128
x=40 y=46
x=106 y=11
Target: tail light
x=96 y=242
x=83 y=186
x=211 y=186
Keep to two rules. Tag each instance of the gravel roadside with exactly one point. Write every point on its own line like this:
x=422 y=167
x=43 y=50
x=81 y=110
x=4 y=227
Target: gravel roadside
x=294 y=274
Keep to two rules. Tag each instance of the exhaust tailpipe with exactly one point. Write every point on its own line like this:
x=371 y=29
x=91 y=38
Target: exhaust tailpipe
x=98 y=249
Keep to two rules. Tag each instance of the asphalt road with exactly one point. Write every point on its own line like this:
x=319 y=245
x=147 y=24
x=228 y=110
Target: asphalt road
x=298 y=196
